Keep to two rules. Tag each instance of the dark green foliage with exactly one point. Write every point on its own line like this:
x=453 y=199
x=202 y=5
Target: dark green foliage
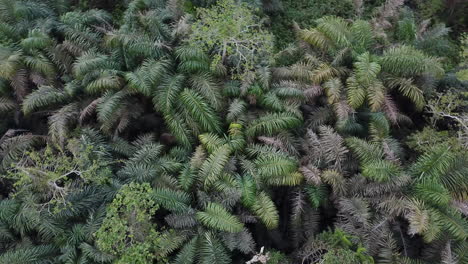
x=304 y=13
x=168 y=131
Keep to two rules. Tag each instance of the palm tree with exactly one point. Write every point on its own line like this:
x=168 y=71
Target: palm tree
x=355 y=70
x=154 y=152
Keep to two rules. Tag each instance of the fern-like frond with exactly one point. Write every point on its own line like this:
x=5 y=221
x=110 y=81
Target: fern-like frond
x=390 y=109
x=271 y=101
x=36 y=40
x=408 y=89
x=110 y=103
x=40 y=64
x=211 y=250
x=408 y=61
x=175 y=201
x=452 y=222
x=11 y=149
x=192 y=59
x=243 y=241
x=265 y=209
x=211 y=169
x=43 y=97
x=31 y=254
x=335 y=179
x=366 y=70
x=316 y=194
x=275 y=165
x=334 y=149
x=272 y=123
x=147 y=76
x=167 y=94
x=379 y=127
x=7 y=104
x=188 y=252
x=249 y=190
x=107 y=80
x=168 y=242
x=376 y=95
x=366 y=152
x=336 y=29
x=432 y=192
x=333 y=89
x=316 y=38
x=380 y=170
x=211 y=141
x=236 y=109
x=11 y=61
x=185 y=219
x=89 y=62
x=217 y=217
x=362 y=36
x=433 y=164
x=356 y=92
x=60 y=121
x=178 y=128
x=325 y=72
x=311 y=174
x=202 y=112
x=208 y=88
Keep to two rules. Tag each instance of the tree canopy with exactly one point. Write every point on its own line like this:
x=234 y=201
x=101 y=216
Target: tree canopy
x=233 y=131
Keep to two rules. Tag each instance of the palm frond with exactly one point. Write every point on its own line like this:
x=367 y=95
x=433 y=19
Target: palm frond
x=366 y=152
x=272 y=123
x=217 y=217
x=110 y=103
x=40 y=64
x=43 y=97
x=243 y=241
x=265 y=209
x=188 y=253
x=175 y=201
x=211 y=141
x=178 y=128
x=29 y=254
x=12 y=148
x=212 y=167
x=333 y=89
x=7 y=104
x=380 y=170
x=60 y=121
x=356 y=92
x=202 y=112
x=334 y=149
x=336 y=29
x=236 y=109
x=434 y=164
x=407 y=61
x=275 y=165
x=208 y=88
x=316 y=38
x=211 y=250
x=335 y=179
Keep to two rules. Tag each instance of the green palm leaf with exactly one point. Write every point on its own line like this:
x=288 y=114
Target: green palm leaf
x=43 y=97
x=272 y=123
x=172 y=200
x=217 y=217
x=213 y=166
x=265 y=209
x=212 y=251
x=196 y=106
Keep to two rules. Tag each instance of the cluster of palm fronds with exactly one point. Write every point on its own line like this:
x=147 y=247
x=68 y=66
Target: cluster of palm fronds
x=123 y=143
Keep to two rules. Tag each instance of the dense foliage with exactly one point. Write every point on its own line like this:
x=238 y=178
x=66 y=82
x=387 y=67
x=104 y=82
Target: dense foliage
x=229 y=131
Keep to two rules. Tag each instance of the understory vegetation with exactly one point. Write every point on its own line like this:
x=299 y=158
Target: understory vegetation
x=233 y=131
